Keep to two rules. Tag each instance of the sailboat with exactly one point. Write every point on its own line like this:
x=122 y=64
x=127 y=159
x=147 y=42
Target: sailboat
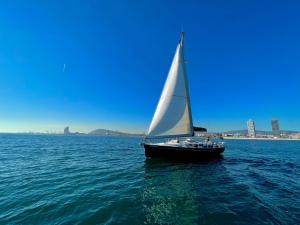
x=172 y=120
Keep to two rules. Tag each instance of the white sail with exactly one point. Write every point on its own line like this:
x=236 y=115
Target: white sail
x=173 y=112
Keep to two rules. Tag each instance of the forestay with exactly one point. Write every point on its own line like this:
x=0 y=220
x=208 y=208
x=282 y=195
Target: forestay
x=173 y=112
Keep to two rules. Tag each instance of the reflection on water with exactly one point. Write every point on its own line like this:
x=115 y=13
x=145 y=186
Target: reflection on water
x=255 y=183
x=172 y=191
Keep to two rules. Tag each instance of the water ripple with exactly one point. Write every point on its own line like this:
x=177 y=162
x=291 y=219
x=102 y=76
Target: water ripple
x=106 y=180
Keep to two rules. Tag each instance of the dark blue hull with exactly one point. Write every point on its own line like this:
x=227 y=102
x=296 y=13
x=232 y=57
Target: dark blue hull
x=159 y=151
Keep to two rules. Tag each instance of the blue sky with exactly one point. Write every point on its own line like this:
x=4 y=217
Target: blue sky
x=102 y=64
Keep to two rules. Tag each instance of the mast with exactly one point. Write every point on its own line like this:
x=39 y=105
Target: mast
x=187 y=83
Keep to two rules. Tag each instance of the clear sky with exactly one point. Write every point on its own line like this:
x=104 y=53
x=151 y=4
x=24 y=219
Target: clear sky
x=102 y=64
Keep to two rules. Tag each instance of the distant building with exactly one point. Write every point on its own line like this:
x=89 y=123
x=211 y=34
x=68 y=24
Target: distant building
x=251 y=128
x=67 y=130
x=275 y=128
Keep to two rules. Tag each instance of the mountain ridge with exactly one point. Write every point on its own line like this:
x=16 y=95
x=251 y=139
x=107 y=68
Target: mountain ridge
x=107 y=132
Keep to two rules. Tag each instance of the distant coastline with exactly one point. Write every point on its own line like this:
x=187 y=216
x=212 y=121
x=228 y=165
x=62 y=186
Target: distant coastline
x=258 y=138
x=233 y=134
x=260 y=135
x=106 y=132
x=74 y=134
x=67 y=132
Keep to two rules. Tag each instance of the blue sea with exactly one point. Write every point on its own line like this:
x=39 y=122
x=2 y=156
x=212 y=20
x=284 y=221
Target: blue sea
x=56 y=179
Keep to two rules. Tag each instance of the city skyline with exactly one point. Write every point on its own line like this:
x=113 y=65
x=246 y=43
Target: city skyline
x=103 y=65
x=250 y=127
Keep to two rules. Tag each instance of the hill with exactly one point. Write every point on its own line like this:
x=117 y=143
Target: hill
x=105 y=132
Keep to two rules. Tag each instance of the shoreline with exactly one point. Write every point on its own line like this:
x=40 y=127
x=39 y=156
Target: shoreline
x=268 y=139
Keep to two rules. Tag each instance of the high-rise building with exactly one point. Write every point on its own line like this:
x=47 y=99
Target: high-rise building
x=275 y=128
x=251 y=128
x=67 y=130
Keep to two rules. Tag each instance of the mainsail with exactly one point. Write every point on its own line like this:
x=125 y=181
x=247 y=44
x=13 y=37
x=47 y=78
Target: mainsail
x=173 y=115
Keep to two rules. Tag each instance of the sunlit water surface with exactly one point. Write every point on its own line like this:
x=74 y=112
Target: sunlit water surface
x=48 y=179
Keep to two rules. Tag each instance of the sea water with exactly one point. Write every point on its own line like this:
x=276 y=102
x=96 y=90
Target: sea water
x=56 y=179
